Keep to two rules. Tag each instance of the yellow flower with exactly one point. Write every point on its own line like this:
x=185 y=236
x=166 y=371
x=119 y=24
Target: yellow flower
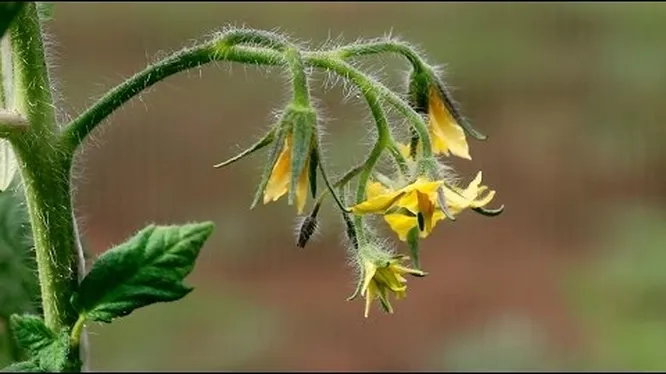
x=446 y=134
x=380 y=277
x=280 y=180
x=417 y=205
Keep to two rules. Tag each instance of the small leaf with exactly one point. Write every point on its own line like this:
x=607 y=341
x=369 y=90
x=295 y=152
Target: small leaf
x=49 y=351
x=19 y=290
x=8 y=164
x=8 y=12
x=147 y=269
x=31 y=333
x=54 y=357
x=23 y=367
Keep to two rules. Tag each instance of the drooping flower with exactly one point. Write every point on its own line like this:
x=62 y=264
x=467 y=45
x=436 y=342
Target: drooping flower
x=380 y=277
x=446 y=135
x=279 y=181
x=428 y=95
x=418 y=204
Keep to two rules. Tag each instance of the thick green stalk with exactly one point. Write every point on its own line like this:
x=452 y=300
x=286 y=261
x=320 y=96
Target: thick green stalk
x=44 y=169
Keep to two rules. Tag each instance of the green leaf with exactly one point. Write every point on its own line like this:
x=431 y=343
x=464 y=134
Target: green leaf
x=31 y=333
x=45 y=11
x=54 y=357
x=8 y=164
x=8 y=11
x=19 y=289
x=23 y=367
x=148 y=268
x=48 y=351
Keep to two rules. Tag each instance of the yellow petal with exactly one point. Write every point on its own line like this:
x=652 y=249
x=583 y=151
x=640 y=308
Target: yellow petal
x=404 y=149
x=378 y=204
x=302 y=189
x=459 y=200
x=448 y=134
x=369 y=270
x=278 y=183
x=375 y=189
x=410 y=200
x=484 y=201
x=426 y=209
x=401 y=224
x=369 y=296
x=387 y=278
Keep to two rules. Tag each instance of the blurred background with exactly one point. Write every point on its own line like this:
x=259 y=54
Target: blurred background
x=571 y=276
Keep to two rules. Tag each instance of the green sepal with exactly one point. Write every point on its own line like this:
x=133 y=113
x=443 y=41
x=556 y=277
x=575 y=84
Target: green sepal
x=441 y=199
x=304 y=121
x=452 y=107
x=261 y=143
x=417 y=98
x=413 y=242
x=282 y=131
x=400 y=210
x=384 y=301
x=489 y=212
x=419 y=86
x=312 y=174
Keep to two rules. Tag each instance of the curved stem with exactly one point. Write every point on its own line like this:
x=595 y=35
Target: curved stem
x=326 y=61
x=76 y=131
x=400 y=161
x=255 y=37
x=381 y=46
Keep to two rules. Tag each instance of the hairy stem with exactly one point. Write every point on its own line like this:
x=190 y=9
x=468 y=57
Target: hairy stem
x=299 y=77
x=44 y=168
x=324 y=60
x=77 y=130
x=381 y=46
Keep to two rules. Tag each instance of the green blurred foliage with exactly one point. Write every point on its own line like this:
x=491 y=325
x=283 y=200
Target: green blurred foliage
x=622 y=297
x=507 y=343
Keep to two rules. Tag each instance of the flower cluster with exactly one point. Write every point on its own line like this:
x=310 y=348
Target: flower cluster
x=413 y=198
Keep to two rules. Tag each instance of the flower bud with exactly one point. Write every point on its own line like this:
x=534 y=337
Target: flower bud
x=289 y=169
x=429 y=96
x=308 y=227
